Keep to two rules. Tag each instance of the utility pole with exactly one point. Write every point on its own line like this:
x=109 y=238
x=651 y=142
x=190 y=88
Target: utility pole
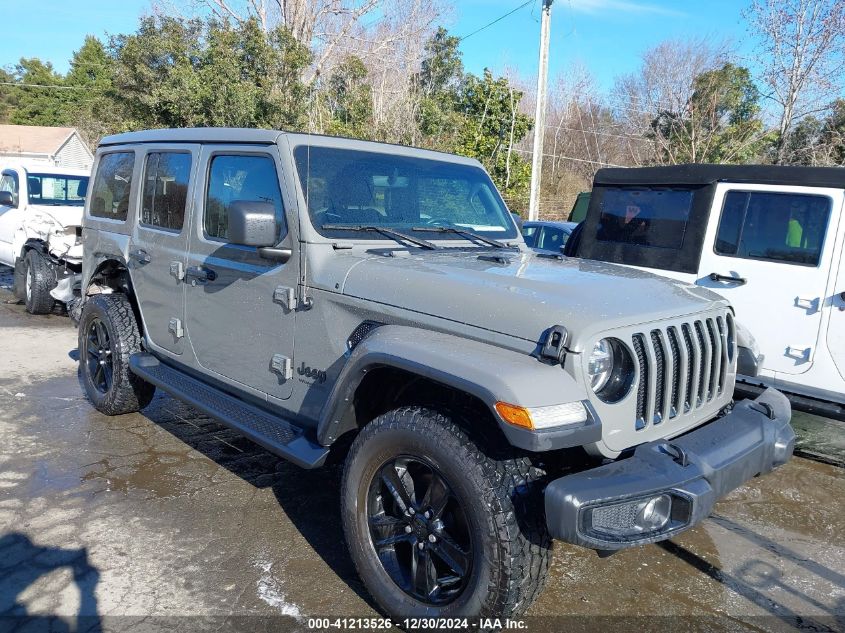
x=540 y=113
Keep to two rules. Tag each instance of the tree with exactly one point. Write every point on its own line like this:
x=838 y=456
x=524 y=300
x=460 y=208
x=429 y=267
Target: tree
x=437 y=86
x=719 y=123
x=662 y=87
x=9 y=95
x=44 y=101
x=90 y=105
x=349 y=99
x=801 y=45
x=816 y=141
x=185 y=73
x=492 y=125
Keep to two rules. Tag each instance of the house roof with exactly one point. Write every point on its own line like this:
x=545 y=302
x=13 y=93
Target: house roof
x=33 y=139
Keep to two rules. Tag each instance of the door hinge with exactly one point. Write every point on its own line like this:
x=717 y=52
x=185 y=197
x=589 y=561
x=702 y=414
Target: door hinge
x=286 y=296
x=177 y=269
x=175 y=328
x=282 y=365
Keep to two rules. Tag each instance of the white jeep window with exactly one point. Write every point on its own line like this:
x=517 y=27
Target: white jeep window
x=166 y=178
x=240 y=178
x=780 y=227
x=112 y=186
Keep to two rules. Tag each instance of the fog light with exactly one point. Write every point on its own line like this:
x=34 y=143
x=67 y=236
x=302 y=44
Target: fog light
x=631 y=518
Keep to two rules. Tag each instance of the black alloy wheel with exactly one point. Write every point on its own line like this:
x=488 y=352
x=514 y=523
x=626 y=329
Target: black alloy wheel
x=419 y=530
x=98 y=356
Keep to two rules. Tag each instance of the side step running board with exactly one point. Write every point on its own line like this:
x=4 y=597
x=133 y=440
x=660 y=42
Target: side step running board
x=275 y=434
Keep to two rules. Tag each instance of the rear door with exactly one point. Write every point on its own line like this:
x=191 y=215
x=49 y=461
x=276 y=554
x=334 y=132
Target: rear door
x=159 y=240
x=239 y=322
x=769 y=250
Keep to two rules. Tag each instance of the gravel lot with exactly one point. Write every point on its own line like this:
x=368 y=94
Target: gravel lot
x=166 y=520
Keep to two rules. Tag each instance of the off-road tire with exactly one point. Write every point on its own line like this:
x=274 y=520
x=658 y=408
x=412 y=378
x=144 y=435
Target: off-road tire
x=19 y=279
x=39 y=279
x=127 y=392
x=500 y=492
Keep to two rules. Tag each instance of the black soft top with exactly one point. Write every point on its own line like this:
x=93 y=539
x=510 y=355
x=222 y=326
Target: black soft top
x=705 y=174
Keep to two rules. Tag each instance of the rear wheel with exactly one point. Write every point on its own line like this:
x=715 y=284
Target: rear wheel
x=108 y=336
x=39 y=280
x=436 y=526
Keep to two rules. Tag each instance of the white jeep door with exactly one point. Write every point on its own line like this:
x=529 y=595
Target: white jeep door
x=10 y=217
x=768 y=249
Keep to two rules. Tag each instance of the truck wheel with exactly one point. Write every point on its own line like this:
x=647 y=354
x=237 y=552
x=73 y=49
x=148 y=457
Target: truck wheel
x=39 y=280
x=108 y=336
x=437 y=527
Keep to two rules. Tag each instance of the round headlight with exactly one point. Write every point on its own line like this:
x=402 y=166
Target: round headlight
x=611 y=370
x=600 y=364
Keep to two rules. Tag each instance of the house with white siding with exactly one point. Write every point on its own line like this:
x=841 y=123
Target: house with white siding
x=58 y=146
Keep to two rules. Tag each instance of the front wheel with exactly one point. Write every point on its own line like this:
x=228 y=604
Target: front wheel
x=436 y=527
x=108 y=336
x=39 y=279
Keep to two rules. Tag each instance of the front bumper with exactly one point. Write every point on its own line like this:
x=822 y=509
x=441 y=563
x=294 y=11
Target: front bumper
x=693 y=470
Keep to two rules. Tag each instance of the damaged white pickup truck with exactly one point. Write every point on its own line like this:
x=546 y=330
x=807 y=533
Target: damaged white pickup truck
x=41 y=231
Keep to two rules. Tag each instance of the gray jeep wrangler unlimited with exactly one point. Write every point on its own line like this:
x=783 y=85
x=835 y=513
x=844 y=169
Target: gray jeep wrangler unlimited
x=376 y=302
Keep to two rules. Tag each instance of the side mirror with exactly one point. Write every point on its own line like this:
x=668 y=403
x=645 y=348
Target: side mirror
x=252 y=223
x=7 y=199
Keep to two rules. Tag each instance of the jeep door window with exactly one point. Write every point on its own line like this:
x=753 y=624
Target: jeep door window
x=655 y=218
x=56 y=189
x=112 y=186
x=373 y=189
x=240 y=178
x=780 y=227
x=166 y=176
x=9 y=182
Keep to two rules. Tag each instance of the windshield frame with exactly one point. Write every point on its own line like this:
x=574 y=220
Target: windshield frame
x=401 y=155
x=54 y=202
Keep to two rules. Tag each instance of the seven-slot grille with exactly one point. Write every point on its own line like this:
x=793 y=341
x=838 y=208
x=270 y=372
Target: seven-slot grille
x=682 y=367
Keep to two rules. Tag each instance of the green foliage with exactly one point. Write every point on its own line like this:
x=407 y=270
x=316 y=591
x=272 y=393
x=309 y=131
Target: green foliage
x=190 y=73
x=348 y=99
x=37 y=105
x=815 y=141
x=438 y=86
x=492 y=123
x=721 y=122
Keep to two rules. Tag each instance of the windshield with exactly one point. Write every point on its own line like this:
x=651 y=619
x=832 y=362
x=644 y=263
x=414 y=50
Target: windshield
x=56 y=189
x=356 y=188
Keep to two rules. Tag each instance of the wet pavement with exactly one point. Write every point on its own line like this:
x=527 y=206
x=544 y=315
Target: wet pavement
x=167 y=520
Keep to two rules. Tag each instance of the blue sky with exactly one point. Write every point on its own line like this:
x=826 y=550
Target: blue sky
x=606 y=36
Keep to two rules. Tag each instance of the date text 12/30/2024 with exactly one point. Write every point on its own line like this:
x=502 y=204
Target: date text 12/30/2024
x=416 y=624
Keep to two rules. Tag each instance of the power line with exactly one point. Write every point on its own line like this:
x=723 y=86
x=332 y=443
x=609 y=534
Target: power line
x=499 y=19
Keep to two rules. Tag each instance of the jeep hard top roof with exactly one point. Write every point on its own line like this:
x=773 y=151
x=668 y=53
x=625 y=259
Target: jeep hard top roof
x=249 y=136
x=705 y=174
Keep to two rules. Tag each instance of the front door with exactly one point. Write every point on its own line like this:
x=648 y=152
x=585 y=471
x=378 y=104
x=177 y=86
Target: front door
x=768 y=250
x=159 y=241
x=10 y=217
x=239 y=319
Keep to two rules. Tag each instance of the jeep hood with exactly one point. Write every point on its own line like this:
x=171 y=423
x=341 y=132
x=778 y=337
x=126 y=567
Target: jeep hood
x=522 y=294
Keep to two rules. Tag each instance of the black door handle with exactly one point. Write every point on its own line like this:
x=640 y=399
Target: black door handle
x=740 y=281
x=200 y=274
x=140 y=256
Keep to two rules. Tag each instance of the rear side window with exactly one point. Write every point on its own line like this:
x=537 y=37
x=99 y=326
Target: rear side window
x=655 y=218
x=112 y=186
x=781 y=227
x=166 y=177
x=239 y=178
x=551 y=239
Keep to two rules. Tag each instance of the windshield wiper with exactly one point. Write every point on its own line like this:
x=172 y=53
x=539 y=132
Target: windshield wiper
x=462 y=232
x=392 y=233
